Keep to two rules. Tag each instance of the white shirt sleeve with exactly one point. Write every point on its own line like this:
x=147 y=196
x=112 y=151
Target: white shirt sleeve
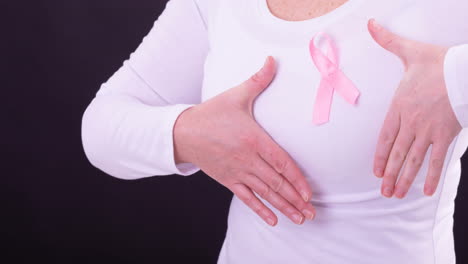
x=456 y=80
x=127 y=129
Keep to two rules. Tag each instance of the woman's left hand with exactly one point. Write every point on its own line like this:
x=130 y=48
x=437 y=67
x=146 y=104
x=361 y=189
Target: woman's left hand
x=420 y=115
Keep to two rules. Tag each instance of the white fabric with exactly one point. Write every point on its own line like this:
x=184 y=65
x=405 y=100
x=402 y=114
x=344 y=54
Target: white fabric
x=456 y=78
x=127 y=128
x=200 y=48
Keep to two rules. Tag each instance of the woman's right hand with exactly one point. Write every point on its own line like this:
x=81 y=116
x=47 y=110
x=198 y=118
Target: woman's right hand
x=222 y=138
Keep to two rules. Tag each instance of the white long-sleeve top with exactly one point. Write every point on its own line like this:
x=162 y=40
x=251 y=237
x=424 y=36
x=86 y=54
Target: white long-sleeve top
x=200 y=48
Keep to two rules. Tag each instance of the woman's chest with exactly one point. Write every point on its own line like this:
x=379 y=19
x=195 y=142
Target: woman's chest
x=239 y=47
x=285 y=108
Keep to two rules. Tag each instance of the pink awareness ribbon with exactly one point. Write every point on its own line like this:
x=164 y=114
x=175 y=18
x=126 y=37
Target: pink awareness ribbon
x=332 y=79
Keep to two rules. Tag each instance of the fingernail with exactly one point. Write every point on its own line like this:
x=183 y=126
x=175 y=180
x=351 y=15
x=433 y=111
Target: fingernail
x=297 y=218
x=308 y=214
x=270 y=221
x=427 y=191
x=305 y=196
x=378 y=172
x=375 y=24
x=399 y=193
x=387 y=191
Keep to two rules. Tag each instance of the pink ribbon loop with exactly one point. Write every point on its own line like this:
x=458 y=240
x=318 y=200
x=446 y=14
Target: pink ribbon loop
x=332 y=79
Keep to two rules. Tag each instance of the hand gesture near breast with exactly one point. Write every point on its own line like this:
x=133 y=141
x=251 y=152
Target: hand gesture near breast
x=223 y=139
x=420 y=115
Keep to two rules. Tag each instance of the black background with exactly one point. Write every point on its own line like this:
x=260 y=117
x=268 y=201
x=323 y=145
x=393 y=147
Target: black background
x=56 y=207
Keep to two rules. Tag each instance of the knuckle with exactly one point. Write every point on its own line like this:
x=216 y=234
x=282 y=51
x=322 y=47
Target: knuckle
x=397 y=154
x=391 y=42
x=298 y=201
x=404 y=183
x=389 y=176
x=277 y=184
x=248 y=140
x=252 y=202
x=248 y=199
x=266 y=146
x=415 y=161
x=257 y=78
x=295 y=180
x=241 y=160
x=379 y=158
x=437 y=163
x=441 y=132
x=388 y=41
x=392 y=178
x=413 y=118
x=257 y=208
x=265 y=192
x=444 y=138
x=284 y=208
x=386 y=138
x=264 y=213
x=238 y=157
x=235 y=188
x=413 y=123
x=281 y=165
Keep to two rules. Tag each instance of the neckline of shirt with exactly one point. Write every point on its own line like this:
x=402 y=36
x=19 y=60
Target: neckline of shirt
x=320 y=21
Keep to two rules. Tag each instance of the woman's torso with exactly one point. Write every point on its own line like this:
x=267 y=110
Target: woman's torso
x=353 y=220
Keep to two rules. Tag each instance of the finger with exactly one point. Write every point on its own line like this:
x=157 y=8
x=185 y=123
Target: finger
x=260 y=187
x=436 y=164
x=390 y=41
x=257 y=83
x=279 y=184
x=248 y=197
x=282 y=162
x=388 y=134
x=396 y=159
x=413 y=164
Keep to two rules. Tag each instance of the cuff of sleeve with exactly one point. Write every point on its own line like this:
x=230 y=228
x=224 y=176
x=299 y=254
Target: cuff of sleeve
x=184 y=169
x=458 y=97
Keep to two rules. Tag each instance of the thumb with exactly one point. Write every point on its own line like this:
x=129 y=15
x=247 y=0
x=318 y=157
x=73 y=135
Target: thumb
x=390 y=41
x=252 y=87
